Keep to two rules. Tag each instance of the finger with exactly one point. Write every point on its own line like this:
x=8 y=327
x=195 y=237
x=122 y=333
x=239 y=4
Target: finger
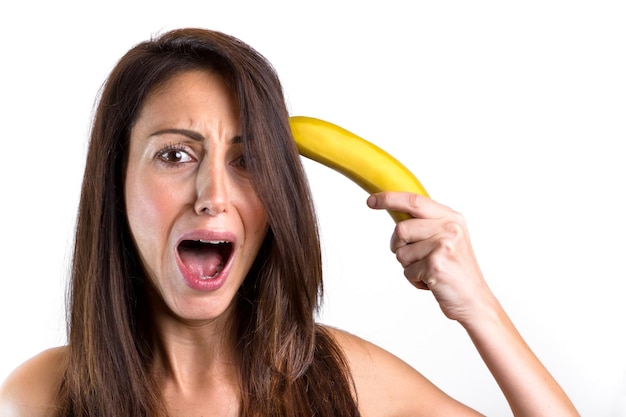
x=413 y=252
x=417 y=275
x=413 y=230
x=416 y=205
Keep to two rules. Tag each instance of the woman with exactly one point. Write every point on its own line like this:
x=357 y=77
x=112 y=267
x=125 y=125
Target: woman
x=197 y=268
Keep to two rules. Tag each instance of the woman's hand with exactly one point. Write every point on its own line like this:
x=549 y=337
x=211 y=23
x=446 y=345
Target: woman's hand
x=435 y=251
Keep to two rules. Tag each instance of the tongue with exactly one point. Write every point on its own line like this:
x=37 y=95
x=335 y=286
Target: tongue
x=205 y=261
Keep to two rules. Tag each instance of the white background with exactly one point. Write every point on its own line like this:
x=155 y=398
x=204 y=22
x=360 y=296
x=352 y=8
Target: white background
x=513 y=113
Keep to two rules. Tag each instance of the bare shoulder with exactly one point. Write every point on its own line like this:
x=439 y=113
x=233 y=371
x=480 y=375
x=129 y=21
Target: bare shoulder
x=388 y=386
x=31 y=390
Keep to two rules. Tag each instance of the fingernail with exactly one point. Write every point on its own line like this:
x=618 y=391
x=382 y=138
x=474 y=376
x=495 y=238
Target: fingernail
x=371 y=201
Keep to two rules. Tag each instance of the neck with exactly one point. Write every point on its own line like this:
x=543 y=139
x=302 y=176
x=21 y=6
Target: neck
x=192 y=354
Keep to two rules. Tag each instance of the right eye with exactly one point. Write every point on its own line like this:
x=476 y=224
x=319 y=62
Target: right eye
x=174 y=155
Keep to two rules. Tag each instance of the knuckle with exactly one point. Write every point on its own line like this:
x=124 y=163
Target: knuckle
x=437 y=265
x=408 y=275
x=446 y=246
x=453 y=229
x=450 y=227
x=414 y=201
x=401 y=257
x=394 y=242
x=411 y=274
x=383 y=198
x=401 y=231
x=458 y=218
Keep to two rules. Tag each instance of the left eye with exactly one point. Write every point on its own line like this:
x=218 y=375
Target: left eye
x=240 y=162
x=174 y=156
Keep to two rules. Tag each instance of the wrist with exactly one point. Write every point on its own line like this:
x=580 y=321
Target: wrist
x=485 y=315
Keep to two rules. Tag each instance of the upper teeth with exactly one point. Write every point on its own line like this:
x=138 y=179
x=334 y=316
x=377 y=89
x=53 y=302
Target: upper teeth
x=213 y=242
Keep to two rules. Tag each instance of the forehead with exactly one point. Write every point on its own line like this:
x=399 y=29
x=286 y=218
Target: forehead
x=190 y=94
x=188 y=83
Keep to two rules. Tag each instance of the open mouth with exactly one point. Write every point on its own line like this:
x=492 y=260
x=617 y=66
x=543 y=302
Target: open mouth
x=205 y=259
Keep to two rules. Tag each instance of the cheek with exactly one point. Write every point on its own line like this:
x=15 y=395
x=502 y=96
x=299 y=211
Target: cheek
x=256 y=221
x=148 y=206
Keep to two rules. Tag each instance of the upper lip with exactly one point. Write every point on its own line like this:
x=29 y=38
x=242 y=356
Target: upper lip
x=208 y=236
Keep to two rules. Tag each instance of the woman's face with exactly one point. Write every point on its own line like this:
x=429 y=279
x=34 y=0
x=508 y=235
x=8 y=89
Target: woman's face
x=194 y=216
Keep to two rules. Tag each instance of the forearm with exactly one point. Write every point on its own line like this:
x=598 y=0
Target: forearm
x=434 y=249
x=527 y=385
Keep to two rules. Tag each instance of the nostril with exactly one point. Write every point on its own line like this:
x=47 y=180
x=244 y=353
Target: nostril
x=211 y=188
x=210 y=206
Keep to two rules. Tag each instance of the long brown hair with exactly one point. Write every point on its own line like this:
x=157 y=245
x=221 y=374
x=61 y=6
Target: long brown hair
x=289 y=365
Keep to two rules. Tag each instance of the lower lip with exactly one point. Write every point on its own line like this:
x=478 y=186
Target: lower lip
x=196 y=283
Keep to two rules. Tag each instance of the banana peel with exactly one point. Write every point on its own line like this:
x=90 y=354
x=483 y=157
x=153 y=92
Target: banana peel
x=369 y=166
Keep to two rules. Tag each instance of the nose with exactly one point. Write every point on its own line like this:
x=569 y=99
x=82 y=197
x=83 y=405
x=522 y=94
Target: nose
x=212 y=188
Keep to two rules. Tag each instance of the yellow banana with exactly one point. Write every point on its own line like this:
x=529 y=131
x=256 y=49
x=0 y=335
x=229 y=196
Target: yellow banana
x=366 y=164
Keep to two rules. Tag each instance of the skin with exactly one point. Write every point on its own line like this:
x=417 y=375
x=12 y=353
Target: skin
x=186 y=174
x=194 y=345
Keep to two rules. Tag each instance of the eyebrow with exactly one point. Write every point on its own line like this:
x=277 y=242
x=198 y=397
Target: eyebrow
x=193 y=135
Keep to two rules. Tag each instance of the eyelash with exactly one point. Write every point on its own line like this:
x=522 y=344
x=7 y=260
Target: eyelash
x=161 y=156
x=240 y=162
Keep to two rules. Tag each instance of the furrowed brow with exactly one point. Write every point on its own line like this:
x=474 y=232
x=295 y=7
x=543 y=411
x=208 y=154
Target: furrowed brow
x=193 y=135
